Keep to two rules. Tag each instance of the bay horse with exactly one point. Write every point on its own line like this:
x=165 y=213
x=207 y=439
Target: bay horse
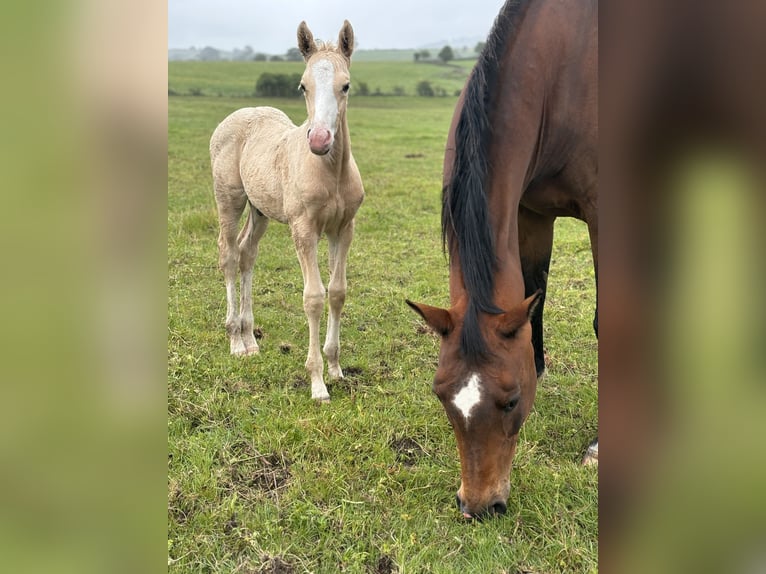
x=304 y=176
x=521 y=151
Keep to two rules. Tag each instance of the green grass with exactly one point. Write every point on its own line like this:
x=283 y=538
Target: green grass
x=261 y=479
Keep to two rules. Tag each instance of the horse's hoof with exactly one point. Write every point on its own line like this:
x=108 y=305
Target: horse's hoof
x=239 y=350
x=335 y=372
x=591 y=455
x=325 y=400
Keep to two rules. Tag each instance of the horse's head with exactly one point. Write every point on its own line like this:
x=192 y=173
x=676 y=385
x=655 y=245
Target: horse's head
x=325 y=85
x=486 y=398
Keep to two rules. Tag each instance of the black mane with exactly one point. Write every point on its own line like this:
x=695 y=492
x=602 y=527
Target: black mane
x=465 y=218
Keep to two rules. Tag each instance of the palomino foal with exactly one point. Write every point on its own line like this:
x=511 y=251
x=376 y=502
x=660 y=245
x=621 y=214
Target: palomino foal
x=304 y=176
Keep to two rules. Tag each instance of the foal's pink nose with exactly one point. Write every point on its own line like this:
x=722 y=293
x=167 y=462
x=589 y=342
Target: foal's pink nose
x=320 y=140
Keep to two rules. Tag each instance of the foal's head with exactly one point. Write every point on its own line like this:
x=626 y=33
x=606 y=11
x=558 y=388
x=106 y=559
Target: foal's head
x=486 y=398
x=325 y=85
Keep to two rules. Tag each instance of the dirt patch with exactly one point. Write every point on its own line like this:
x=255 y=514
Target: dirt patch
x=300 y=383
x=271 y=565
x=246 y=470
x=353 y=378
x=413 y=155
x=180 y=506
x=353 y=372
x=408 y=451
x=384 y=565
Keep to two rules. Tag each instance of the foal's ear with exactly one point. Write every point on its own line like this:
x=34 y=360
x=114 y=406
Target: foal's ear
x=438 y=319
x=510 y=321
x=346 y=40
x=306 y=43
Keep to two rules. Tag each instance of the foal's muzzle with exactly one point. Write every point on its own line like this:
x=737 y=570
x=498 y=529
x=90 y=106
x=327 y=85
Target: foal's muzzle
x=320 y=140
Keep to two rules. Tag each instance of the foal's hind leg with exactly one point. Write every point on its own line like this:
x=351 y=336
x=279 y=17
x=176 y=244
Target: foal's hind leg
x=535 y=246
x=338 y=255
x=230 y=207
x=248 y=239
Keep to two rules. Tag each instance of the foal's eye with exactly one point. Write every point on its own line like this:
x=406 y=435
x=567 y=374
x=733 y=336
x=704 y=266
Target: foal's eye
x=510 y=405
x=346 y=88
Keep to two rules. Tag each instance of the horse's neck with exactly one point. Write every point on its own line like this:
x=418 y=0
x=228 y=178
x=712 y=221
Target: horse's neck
x=508 y=277
x=341 y=154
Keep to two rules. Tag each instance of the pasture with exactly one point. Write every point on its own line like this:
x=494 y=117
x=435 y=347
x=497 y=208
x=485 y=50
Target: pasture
x=262 y=479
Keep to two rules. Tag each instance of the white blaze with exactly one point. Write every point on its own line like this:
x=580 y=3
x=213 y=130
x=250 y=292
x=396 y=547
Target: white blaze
x=468 y=397
x=325 y=104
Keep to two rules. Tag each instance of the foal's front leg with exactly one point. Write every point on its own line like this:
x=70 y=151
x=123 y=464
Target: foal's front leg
x=313 y=305
x=338 y=255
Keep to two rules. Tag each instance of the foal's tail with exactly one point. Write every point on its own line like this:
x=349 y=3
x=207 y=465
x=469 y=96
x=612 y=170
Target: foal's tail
x=247 y=229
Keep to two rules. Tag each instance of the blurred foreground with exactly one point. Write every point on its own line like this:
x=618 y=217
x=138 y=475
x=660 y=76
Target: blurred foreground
x=682 y=336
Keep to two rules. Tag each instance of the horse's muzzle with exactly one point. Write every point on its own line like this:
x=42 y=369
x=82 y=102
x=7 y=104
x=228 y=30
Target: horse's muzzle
x=497 y=508
x=320 y=140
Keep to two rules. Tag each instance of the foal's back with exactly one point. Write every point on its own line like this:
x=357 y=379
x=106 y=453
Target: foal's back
x=245 y=154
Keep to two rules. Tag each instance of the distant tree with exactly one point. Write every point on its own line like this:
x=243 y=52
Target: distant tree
x=294 y=55
x=399 y=91
x=278 y=85
x=425 y=54
x=209 y=54
x=244 y=54
x=425 y=89
x=362 y=89
x=260 y=57
x=479 y=47
x=416 y=55
x=446 y=54
x=276 y=58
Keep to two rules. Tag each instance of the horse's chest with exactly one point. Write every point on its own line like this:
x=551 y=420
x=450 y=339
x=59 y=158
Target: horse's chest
x=332 y=207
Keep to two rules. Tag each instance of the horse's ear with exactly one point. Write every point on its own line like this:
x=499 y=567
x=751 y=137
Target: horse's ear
x=306 y=43
x=346 y=40
x=510 y=321
x=438 y=319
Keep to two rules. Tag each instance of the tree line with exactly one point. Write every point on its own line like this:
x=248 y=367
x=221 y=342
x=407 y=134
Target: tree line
x=271 y=85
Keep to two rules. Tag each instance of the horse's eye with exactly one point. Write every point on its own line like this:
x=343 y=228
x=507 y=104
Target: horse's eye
x=302 y=88
x=346 y=88
x=510 y=405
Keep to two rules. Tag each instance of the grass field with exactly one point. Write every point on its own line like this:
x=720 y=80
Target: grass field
x=262 y=479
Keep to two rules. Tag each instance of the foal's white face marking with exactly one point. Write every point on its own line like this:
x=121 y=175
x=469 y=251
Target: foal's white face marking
x=325 y=104
x=468 y=397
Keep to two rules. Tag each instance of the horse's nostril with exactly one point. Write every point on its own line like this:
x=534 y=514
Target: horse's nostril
x=499 y=508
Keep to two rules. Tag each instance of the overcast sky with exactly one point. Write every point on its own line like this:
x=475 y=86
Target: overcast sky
x=269 y=26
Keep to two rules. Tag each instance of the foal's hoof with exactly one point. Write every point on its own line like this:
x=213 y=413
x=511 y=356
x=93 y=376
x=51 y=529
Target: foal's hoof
x=334 y=372
x=591 y=455
x=245 y=351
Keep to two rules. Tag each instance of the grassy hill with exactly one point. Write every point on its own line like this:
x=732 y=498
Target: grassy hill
x=237 y=79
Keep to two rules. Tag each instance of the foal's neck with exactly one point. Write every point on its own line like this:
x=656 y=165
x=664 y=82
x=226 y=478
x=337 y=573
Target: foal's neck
x=340 y=154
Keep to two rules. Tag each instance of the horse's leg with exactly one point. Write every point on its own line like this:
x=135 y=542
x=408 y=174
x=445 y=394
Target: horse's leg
x=535 y=245
x=338 y=255
x=248 y=239
x=591 y=454
x=231 y=204
x=313 y=304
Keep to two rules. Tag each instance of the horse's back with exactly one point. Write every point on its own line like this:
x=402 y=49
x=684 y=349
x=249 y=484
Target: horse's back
x=240 y=125
x=553 y=64
x=262 y=125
